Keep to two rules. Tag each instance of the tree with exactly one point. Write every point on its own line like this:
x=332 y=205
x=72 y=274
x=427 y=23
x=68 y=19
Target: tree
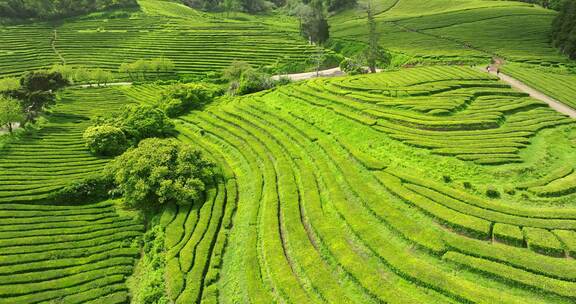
x=231 y=6
x=142 y=67
x=236 y=69
x=318 y=57
x=139 y=122
x=564 y=29
x=373 y=38
x=43 y=81
x=37 y=91
x=126 y=68
x=337 y=5
x=316 y=27
x=10 y=112
x=68 y=72
x=180 y=97
x=101 y=77
x=304 y=12
x=105 y=140
x=160 y=171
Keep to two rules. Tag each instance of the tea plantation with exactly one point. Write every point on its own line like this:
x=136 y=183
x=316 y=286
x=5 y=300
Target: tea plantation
x=196 y=42
x=432 y=181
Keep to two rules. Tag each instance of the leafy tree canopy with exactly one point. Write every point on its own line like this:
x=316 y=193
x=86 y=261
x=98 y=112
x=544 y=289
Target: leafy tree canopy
x=139 y=122
x=564 y=29
x=10 y=112
x=105 y=140
x=160 y=171
x=180 y=98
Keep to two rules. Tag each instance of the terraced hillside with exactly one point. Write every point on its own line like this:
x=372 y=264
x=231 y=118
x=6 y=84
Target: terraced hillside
x=197 y=43
x=54 y=156
x=66 y=254
x=445 y=30
x=55 y=253
x=512 y=32
x=327 y=212
x=553 y=81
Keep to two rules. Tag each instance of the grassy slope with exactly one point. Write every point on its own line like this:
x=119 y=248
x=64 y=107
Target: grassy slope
x=470 y=31
x=197 y=42
x=337 y=217
x=68 y=254
x=334 y=204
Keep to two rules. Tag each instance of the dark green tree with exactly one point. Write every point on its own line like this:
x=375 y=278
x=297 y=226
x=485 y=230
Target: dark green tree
x=316 y=27
x=160 y=171
x=564 y=29
x=373 y=39
x=37 y=92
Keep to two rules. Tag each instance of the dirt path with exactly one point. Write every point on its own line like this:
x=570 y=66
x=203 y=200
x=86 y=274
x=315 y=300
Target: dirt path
x=303 y=76
x=553 y=103
x=113 y=84
x=53 y=45
x=294 y=77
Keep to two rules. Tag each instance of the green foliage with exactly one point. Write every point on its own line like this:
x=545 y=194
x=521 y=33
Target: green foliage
x=243 y=79
x=91 y=189
x=10 y=112
x=42 y=81
x=37 y=92
x=254 y=81
x=351 y=66
x=105 y=140
x=20 y=9
x=564 y=29
x=145 y=69
x=337 y=5
x=315 y=26
x=139 y=122
x=160 y=171
x=180 y=98
x=236 y=69
x=9 y=84
x=149 y=278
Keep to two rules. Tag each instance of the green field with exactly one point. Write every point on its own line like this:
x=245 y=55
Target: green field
x=196 y=42
x=334 y=188
x=431 y=183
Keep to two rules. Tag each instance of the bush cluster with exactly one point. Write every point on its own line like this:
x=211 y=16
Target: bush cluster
x=105 y=140
x=244 y=79
x=564 y=29
x=111 y=135
x=352 y=67
x=160 y=171
x=180 y=98
x=91 y=189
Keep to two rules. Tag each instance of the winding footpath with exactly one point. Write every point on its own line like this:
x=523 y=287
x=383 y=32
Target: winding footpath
x=553 y=103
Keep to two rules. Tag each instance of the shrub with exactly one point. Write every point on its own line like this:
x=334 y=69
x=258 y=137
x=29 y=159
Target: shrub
x=351 y=67
x=447 y=179
x=236 y=70
x=467 y=185
x=180 y=98
x=491 y=192
x=139 y=122
x=105 y=140
x=252 y=82
x=87 y=190
x=160 y=171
